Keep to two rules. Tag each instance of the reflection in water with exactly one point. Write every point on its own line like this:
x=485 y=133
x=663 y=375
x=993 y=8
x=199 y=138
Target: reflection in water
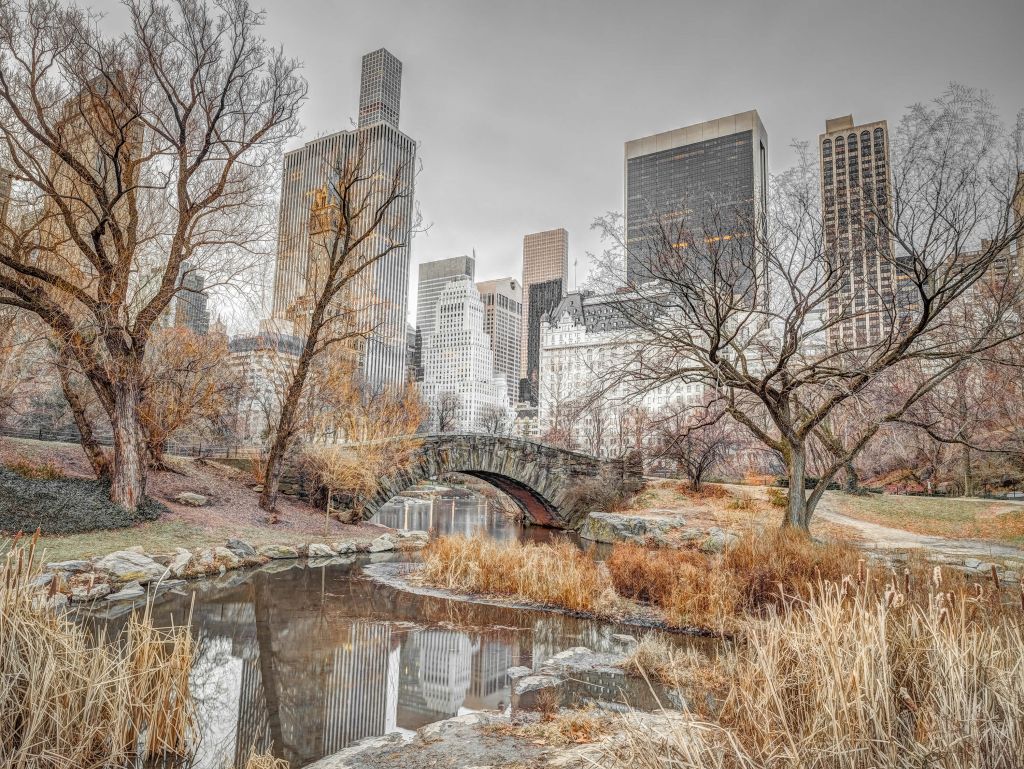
x=306 y=659
x=465 y=514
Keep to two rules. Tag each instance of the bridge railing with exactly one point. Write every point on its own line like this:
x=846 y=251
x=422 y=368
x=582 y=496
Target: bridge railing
x=514 y=439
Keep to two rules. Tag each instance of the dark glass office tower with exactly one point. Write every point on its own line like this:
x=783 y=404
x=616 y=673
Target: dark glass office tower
x=544 y=297
x=709 y=179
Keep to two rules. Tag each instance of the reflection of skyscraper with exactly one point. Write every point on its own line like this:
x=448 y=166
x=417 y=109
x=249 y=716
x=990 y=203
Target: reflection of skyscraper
x=437 y=666
x=489 y=680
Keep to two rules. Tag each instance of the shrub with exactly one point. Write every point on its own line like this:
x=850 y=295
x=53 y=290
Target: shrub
x=69 y=700
x=777 y=497
x=645 y=574
x=597 y=495
x=711 y=591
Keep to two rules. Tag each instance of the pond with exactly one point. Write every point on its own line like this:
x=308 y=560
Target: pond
x=310 y=657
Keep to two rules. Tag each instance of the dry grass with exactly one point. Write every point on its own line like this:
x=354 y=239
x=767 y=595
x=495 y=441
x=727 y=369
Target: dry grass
x=70 y=701
x=45 y=470
x=553 y=574
x=848 y=680
x=778 y=498
x=265 y=761
x=559 y=729
x=712 y=591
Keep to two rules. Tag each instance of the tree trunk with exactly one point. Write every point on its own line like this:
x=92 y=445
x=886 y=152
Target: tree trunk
x=797 y=514
x=851 y=483
x=128 y=477
x=965 y=459
x=93 y=452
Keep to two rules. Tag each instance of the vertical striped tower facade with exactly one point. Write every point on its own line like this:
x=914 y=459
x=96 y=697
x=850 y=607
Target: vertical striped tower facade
x=307 y=170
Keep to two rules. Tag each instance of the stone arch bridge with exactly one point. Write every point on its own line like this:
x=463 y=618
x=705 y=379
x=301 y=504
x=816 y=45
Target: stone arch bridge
x=541 y=479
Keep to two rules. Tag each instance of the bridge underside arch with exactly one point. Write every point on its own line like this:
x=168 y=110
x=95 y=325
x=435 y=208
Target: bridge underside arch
x=538 y=509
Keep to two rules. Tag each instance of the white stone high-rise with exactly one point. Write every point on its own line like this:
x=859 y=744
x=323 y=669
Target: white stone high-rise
x=503 y=321
x=458 y=360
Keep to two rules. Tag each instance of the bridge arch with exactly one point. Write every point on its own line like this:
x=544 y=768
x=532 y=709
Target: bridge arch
x=537 y=477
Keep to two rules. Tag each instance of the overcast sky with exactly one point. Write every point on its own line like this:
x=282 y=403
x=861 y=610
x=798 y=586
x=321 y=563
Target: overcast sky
x=521 y=107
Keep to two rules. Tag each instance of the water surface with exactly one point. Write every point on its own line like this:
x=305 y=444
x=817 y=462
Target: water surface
x=307 y=658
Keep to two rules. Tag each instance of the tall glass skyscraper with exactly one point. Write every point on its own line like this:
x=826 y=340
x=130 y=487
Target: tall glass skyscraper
x=706 y=177
x=308 y=170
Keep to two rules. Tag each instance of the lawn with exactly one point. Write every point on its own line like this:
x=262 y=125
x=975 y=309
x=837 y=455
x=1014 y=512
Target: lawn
x=956 y=518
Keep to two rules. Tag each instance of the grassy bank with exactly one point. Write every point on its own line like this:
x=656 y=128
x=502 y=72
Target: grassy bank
x=73 y=701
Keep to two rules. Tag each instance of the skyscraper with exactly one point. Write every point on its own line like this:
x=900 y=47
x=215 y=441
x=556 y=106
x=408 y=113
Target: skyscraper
x=308 y=170
x=503 y=321
x=855 y=207
x=710 y=177
x=191 y=302
x=457 y=359
x=544 y=297
x=433 y=277
x=545 y=257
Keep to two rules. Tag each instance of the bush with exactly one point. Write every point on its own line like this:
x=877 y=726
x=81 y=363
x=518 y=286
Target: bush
x=64 y=506
x=597 y=495
x=762 y=570
x=778 y=498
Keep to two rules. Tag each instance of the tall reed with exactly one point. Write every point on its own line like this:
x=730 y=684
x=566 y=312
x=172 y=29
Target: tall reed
x=847 y=680
x=72 y=701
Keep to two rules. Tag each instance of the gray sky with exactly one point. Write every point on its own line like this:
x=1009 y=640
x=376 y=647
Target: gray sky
x=521 y=108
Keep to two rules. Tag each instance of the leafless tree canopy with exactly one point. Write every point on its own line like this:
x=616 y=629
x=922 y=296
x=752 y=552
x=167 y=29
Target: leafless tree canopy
x=745 y=309
x=130 y=156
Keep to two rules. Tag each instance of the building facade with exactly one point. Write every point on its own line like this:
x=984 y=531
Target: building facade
x=856 y=207
x=191 y=301
x=543 y=298
x=458 y=361
x=503 y=319
x=431 y=281
x=545 y=257
x=707 y=180
x=265 y=362
x=586 y=397
x=387 y=154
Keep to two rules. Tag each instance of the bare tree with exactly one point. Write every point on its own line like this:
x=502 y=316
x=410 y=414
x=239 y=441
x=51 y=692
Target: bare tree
x=741 y=303
x=130 y=155
x=352 y=228
x=697 y=439
x=444 y=412
x=494 y=420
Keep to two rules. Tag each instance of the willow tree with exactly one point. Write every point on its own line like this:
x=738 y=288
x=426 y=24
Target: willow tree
x=757 y=309
x=134 y=159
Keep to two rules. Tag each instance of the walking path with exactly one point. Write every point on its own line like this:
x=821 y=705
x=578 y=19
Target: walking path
x=887 y=538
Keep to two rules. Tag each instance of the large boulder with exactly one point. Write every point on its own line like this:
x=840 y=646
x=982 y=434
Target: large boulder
x=537 y=692
x=320 y=550
x=130 y=566
x=241 y=548
x=130 y=592
x=279 y=551
x=718 y=541
x=71 y=567
x=619 y=527
x=191 y=499
x=382 y=544
x=179 y=562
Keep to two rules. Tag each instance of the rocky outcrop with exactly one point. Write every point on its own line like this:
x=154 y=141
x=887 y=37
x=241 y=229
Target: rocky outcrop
x=619 y=527
x=130 y=566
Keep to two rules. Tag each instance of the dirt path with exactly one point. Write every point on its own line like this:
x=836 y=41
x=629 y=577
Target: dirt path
x=887 y=538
